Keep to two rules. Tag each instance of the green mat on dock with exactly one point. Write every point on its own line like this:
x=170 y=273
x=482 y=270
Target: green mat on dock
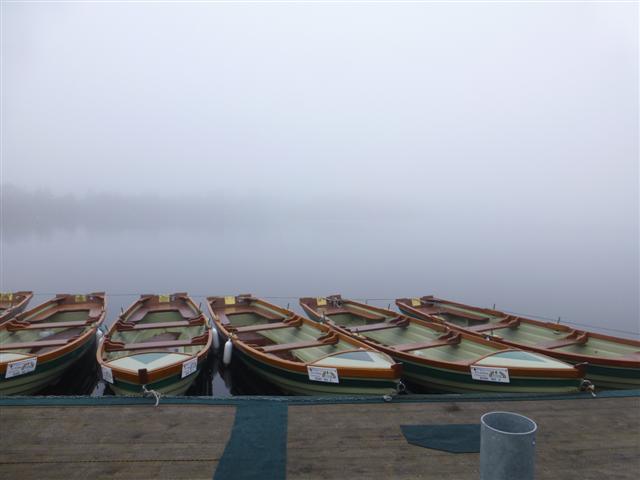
x=453 y=438
x=257 y=448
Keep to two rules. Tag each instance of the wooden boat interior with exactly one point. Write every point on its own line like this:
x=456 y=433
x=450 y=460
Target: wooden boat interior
x=526 y=332
x=156 y=331
x=50 y=326
x=285 y=335
x=428 y=340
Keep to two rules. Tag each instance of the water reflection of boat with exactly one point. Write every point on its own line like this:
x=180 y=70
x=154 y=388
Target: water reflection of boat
x=38 y=346
x=298 y=355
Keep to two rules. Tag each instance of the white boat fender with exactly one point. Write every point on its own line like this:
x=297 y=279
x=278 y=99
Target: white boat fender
x=226 y=355
x=215 y=338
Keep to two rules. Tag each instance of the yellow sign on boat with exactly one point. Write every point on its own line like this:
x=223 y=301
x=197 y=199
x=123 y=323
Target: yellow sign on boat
x=81 y=298
x=6 y=296
x=321 y=301
x=415 y=302
x=164 y=298
x=230 y=300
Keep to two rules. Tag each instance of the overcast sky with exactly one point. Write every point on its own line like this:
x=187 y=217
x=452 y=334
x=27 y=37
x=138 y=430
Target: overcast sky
x=538 y=102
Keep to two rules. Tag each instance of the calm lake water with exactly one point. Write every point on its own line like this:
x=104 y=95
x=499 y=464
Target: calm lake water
x=590 y=279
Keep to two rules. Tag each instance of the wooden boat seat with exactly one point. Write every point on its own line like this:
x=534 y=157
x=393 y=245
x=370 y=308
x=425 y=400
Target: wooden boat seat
x=294 y=322
x=126 y=326
x=230 y=311
x=574 y=338
x=397 y=322
x=449 y=338
x=360 y=313
x=514 y=322
x=111 y=346
x=327 y=339
x=40 y=344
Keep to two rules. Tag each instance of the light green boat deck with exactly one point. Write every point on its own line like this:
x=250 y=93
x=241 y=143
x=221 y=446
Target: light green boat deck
x=135 y=360
x=27 y=336
x=465 y=352
x=534 y=335
x=340 y=354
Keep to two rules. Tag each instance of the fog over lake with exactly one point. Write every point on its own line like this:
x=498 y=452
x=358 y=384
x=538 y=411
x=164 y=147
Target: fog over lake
x=484 y=153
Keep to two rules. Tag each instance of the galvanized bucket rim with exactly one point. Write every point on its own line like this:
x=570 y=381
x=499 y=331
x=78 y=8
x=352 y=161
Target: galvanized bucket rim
x=529 y=432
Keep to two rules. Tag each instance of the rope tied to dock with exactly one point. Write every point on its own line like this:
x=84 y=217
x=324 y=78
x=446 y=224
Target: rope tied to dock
x=151 y=392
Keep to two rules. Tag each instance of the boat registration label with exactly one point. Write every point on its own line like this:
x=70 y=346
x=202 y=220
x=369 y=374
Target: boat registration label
x=323 y=374
x=490 y=374
x=21 y=367
x=230 y=300
x=415 y=302
x=321 y=301
x=164 y=298
x=107 y=374
x=189 y=367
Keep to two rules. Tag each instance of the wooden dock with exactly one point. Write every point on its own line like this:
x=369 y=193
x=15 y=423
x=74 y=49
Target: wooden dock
x=589 y=438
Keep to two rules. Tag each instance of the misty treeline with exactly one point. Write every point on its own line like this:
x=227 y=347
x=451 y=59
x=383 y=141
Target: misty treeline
x=41 y=211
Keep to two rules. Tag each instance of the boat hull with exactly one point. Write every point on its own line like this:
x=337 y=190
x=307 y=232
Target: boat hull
x=298 y=383
x=600 y=373
x=169 y=386
x=436 y=379
x=46 y=373
x=453 y=381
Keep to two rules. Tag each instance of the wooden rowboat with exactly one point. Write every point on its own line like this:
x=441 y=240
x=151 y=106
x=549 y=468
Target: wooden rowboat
x=12 y=303
x=298 y=355
x=440 y=359
x=611 y=362
x=158 y=344
x=38 y=346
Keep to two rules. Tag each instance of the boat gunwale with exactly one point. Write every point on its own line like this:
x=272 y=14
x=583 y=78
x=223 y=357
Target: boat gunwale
x=393 y=372
x=154 y=375
x=515 y=371
x=404 y=306
x=15 y=309
x=77 y=342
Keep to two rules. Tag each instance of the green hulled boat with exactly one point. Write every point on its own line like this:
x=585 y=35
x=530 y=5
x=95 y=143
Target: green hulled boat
x=443 y=360
x=611 y=362
x=298 y=355
x=158 y=344
x=38 y=346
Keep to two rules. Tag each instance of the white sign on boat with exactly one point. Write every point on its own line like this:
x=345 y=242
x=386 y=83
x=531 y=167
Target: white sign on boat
x=323 y=374
x=21 y=367
x=189 y=367
x=107 y=374
x=490 y=374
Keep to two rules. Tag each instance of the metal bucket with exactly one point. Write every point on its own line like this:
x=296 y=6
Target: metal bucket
x=507 y=446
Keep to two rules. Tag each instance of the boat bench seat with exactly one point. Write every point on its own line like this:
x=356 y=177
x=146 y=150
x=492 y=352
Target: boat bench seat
x=328 y=339
x=360 y=313
x=295 y=322
x=398 y=322
x=43 y=343
x=450 y=338
x=126 y=326
x=111 y=346
x=495 y=326
x=231 y=311
x=574 y=338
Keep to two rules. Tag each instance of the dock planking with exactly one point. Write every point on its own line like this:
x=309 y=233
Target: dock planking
x=577 y=439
